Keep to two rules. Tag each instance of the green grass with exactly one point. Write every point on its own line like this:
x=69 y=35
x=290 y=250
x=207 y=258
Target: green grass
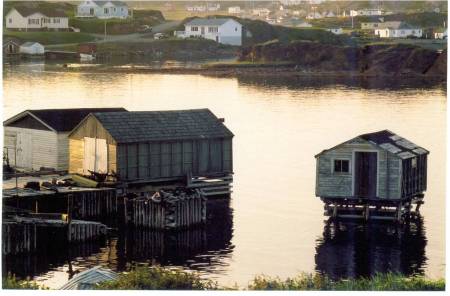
x=10 y=282
x=157 y=278
x=50 y=37
x=118 y=26
x=379 y=282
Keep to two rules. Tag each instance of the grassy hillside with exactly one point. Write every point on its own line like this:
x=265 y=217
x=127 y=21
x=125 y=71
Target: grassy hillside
x=114 y=26
x=261 y=32
x=47 y=38
x=423 y=20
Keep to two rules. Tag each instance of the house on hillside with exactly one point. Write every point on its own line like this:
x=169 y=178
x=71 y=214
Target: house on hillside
x=32 y=48
x=31 y=19
x=152 y=146
x=336 y=31
x=234 y=10
x=314 y=15
x=35 y=139
x=10 y=46
x=377 y=166
x=398 y=30
x=221 y=30
x=103 y=9
x=261 y=12
x=366 y=12
x=440 y=35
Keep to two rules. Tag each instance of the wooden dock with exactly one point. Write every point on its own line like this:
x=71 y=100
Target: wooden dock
x=88 y=203
x=166 y=209
x=373 y=209
x=211 y=186
x=28 y=234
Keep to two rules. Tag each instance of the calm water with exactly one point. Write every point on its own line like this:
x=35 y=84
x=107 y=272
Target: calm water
x=273 y=224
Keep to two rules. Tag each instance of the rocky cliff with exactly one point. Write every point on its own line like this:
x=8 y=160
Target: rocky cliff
x=370 y=60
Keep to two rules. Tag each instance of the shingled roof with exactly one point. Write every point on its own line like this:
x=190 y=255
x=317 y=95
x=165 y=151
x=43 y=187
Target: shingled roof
x=128 y=127
x=390 y=142
x=395 y=144
x=208 y=21
x=61 y=120
x=27 y=11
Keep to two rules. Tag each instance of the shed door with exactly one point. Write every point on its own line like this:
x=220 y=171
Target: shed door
x=24 y=151
x=366 y=174
x=95 y=155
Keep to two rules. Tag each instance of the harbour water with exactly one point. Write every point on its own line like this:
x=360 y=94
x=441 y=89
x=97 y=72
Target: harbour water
x=273 y=224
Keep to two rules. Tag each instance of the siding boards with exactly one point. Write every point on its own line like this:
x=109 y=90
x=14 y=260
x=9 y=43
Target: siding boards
x=92 y=128
x=63 y=151
x=143 y=160
x=43 y=147
x=330 y=184
x=76 y=156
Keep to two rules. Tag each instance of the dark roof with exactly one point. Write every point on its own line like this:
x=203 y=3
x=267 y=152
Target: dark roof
x=127 y=127
x=63 y=120
x=116 y=3
x=208 y=21
x=26 y=11
x=395 y=144
x=390 y=142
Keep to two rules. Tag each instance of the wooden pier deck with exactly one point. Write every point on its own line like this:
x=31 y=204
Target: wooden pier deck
x=401 y=210
x=87 y=202
x=28 y=234
x=166 y=210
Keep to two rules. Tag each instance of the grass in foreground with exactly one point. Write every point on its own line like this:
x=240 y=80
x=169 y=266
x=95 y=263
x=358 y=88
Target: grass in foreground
x=379 y=282
x=157 y=278
x=10 y=282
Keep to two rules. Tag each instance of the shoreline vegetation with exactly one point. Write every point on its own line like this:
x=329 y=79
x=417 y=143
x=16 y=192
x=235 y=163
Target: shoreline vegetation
x=159 y=278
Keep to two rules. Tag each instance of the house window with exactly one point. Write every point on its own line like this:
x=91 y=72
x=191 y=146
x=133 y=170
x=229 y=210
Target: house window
x=121 y=9
x=235 y=29
x=114 y=9
x=194 y=29
x=213 y=29
x=341 y=166
x=10 y=20
x=106 y=11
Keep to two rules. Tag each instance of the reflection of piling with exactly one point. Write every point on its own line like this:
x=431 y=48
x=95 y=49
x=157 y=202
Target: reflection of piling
x=167 y=209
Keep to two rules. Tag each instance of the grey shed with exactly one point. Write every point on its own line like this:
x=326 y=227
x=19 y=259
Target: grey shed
x=375 y=166
x=152 y=146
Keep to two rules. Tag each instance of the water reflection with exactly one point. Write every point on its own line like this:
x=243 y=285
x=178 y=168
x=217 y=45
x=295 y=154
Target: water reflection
x=203 y=248
x=349 y=250
x=206 y=249
x=304 y=82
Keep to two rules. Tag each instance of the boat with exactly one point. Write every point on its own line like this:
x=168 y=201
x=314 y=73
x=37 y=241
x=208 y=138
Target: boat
x=87 y=279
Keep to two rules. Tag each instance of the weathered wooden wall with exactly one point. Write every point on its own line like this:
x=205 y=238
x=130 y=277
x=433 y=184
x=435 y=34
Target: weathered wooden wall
x=44 y=148
x=330 y=184
x=159 y=160
x=63 y=152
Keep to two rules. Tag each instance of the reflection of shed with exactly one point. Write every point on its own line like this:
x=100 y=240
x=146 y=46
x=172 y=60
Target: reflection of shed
x=379 y=165
x=33 y=48
x=152 y=146
x=38 y=138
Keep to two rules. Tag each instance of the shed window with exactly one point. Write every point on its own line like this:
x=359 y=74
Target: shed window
x=341 y=166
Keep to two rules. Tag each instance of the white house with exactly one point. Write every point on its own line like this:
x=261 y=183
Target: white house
x=336 y=31
x=197 y=8
x=399 y=30
x=366 y=12
x=29 y=19
x=329 y=14
x=234 y=10
x=261 y=12
x=32 y=48
x=103 y=9
x=440 y=35
x=314 y=15
x=35 y=139
x=221 y=30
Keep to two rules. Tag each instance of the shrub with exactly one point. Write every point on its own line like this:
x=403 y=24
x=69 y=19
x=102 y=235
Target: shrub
x=10 y=282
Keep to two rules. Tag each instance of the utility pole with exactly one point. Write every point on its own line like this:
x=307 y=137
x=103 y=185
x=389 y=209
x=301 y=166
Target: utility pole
x=105 y=31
